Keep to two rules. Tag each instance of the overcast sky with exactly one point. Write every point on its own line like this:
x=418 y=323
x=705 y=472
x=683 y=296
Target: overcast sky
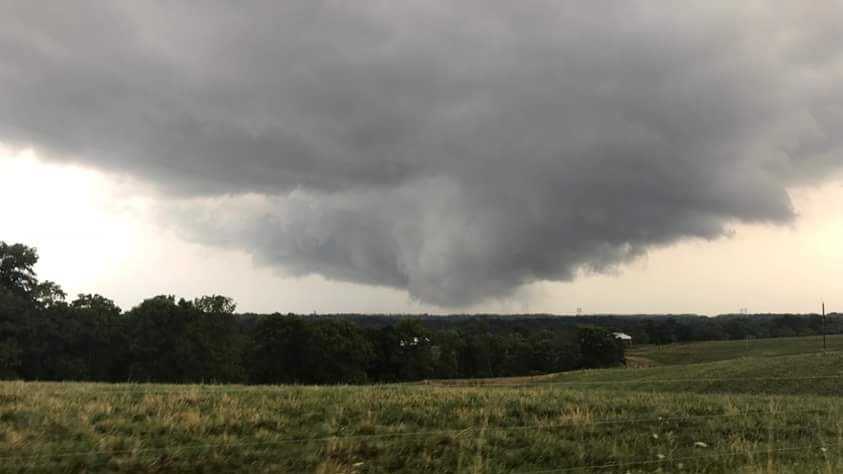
x=630 y=156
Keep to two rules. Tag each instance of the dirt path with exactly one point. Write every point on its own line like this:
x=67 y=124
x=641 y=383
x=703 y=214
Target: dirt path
x=635 y=362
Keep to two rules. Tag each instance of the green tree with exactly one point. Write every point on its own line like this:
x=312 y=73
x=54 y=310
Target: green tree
x=600 y=348
x=217 y=304
x=159 y=343
x=277 y=350
x=95 y=305
x=16 y=268
x=336 y=352
x=101 y=339
x=289 y=349
x=49 y=294
x=18 y=311
x=173 y=341
x=217 y=336
x=414 y=350
x=446 y=349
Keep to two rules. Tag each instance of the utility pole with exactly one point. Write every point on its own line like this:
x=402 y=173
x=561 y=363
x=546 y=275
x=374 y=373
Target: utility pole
x=825 y=345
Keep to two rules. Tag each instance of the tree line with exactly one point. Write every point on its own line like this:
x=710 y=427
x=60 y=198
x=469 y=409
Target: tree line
x=45 y=336
x=643 y=328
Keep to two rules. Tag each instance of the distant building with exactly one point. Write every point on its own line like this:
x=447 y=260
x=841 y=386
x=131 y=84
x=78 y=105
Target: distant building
x=626 y=338
x=414 y=341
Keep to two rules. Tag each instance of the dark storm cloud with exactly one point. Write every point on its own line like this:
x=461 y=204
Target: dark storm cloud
x=456 y=149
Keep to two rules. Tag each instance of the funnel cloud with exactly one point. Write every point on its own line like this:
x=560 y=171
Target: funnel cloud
x=457 y=150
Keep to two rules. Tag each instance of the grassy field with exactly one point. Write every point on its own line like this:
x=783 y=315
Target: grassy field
x=808 y=374
x=713 y=351
x=421 y=428
x=751 y=414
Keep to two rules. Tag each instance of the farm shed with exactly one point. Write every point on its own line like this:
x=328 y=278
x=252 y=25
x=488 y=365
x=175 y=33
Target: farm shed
x=626 y=338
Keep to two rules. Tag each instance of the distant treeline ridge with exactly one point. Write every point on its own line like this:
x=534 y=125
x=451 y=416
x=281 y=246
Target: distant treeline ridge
x=164 y=339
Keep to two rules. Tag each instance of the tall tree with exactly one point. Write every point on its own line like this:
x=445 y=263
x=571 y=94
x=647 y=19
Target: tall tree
x=217 y=304
x=17 y=274
x=49 y=294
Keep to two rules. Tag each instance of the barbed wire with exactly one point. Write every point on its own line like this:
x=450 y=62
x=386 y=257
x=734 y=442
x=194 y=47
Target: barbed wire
x=506 y=428
x=209 y=389
x=575 y=383
x=621 y=463
x=672 y=460
x=442 y=383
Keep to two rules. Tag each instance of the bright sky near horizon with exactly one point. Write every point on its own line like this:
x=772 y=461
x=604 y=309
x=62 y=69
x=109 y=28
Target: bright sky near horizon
x=99 y=233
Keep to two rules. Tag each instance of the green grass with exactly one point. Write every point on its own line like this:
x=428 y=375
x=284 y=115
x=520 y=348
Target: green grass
x=412 y=428
x=712 y=351
x=807 y=374
x=770 y=412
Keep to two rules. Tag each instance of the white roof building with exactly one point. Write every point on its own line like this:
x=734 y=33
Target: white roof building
x=622 y=336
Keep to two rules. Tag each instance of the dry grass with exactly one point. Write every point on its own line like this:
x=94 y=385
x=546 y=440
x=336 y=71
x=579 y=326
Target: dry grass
x=751 y=413
x=410 y=428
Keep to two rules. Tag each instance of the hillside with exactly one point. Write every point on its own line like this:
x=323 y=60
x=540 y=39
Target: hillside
x=749 y=414
x=712 y=351
x=806 y=374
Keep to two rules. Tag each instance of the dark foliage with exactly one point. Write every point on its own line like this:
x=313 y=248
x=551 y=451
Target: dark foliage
x=164 y=339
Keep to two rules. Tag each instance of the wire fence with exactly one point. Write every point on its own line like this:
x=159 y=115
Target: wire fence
x=641 y=381
x=818 y=449
x=681 y=459
x=606 y=421
x=31 y=461
x=666 y=461
x=153 y=389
